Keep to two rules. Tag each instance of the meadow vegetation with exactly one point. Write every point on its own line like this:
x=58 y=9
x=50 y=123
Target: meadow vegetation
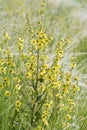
x=42 y=66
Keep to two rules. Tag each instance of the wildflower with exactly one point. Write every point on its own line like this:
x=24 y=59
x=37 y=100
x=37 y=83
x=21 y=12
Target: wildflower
x=65 y=90
x=2 y=61
x=73 y=104
x=12 y=71
x=23 y=56
x=7 y=36
x=68 y=117
x=60 y=54
x=17 y=109
x=33 y=58
x=7 y=93
x=68 y=79
x=17 y=87
x=3 y=70
x=21 y=46
x=7 y=81
x=43 y=117
x=42 y=73
x=21 y=40
x=10 y=55
x=48 y=105
x=18 y=104
x=28 y=75
x=44 y=120
x=46 y=113
x=70 y=101
x=9 y=62
x=59 y=96
x=76 y=78
x=75 y=87
x=73 y=65
x=33 y=42
x=27 y=65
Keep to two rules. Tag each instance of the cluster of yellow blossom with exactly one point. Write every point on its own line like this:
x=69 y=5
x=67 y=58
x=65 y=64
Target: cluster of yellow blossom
x=44 y=89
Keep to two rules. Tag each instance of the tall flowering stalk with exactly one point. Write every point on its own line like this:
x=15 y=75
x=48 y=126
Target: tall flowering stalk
x=38 y=95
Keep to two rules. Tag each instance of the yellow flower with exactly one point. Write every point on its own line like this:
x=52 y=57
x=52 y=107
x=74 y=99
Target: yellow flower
x=42 y=73
x=65 y=90
x=7 y=93
x=76 y=78
x=12 y=71
x=70 y=101
x=60 y=53
x=75 y=87
x=73 y=104
x=73 y=65
x=23 y=56
x=21 y=40
x=43 y=117
x=27 y=65
x=45 y=113
x=48 y=105
x=59 y=96
x=7 y=36
x=17 y=87
x=7 y=81
x=17 y=109
x=33 y=41
x=18 y=103
x=3 y=70
x=21 y=46
x=68 y=117
x=28 y=75
x=44 y=120
x=2 y=61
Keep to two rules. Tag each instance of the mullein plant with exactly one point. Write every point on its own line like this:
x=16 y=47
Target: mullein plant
x=34 y=93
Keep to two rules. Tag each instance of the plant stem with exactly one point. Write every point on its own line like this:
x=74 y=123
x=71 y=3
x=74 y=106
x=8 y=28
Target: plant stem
x=37 y=69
